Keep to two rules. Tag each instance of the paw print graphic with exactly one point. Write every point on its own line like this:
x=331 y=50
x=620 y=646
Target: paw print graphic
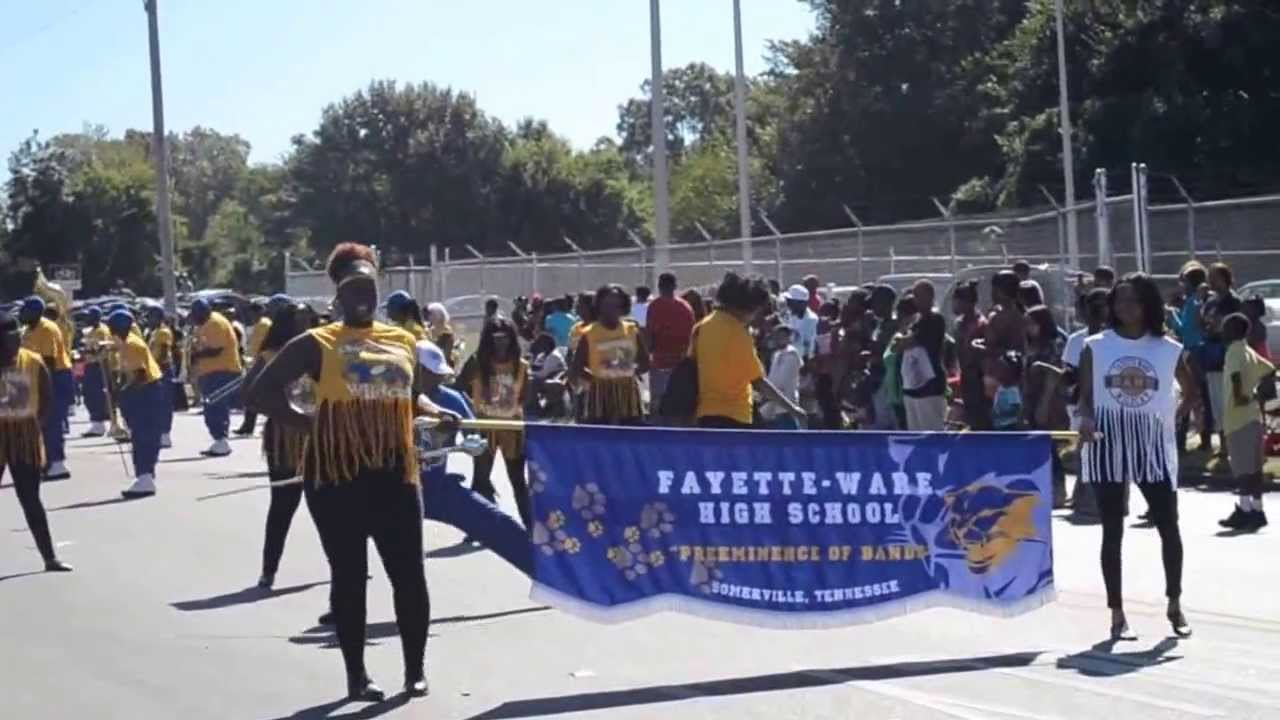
x=555 y=520
x=588 y=501
x=656 y=519
x=570 y=545
x=595 y=528
x=632 y=534
x=703 y=574
x=537 y=478
x=657 y=558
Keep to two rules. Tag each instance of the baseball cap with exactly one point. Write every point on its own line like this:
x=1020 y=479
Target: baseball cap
x=431 y=357
x=399 y=298
x=33 y=304
x=120 y=320
x=797 y=293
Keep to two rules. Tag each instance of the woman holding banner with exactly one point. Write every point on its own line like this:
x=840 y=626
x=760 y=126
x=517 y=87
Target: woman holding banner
x=1128 y=411
x=728 y=366
x=360 y=466
x=610 y=358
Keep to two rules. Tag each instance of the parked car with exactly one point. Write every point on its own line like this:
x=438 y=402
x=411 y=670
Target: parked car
x=1270 y=292
x=1057 y=282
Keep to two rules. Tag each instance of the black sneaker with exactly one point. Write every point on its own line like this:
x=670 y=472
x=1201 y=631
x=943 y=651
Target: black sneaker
x=326 y=619
x=1255 y=521
x=1236 y=520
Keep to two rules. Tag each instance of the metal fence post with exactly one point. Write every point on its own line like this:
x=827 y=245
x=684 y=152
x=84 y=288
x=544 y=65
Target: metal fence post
x=893 y=261
x=1102 y=217
x=433 y=257
x=444 y=276
x=534 y=255
x=858 y=224
x=1191 y=216
x=948 y=214
x=1062 y=227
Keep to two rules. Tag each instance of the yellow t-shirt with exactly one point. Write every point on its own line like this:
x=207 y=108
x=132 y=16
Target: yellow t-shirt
x=612 y=353
x=503 y=398
x=161 y=345
x=45 y=340
x=98 y=340
x=1252 y=368
x=218 y=333
x=727 y=366
x=257 y=335
x=412 y=327
x=136 y=357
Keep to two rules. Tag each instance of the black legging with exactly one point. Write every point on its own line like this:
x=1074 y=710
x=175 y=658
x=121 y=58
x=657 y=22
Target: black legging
x=377 y=504
x=26 y=484
x=1162 y=503
x=284 y=503
x=482 y=482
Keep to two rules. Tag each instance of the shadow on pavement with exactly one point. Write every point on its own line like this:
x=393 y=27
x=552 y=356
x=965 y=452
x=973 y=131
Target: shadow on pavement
x=324 y=710
x=794 y=680
x=461 y=549
x=226 y=493
x=242 y=597
x=1102 y=660
x=454 y=619
x=198 y=458
x=15 y=576
x=117 y=500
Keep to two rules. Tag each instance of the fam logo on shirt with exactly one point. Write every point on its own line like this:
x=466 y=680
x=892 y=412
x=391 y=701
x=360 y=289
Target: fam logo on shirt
x=1131 y=381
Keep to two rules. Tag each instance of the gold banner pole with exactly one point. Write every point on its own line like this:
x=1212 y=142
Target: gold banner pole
x=1060 y=436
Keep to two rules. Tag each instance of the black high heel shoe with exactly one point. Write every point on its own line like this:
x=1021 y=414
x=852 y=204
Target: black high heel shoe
x=362 y=689
x=1120 y=630
x=1179 y=623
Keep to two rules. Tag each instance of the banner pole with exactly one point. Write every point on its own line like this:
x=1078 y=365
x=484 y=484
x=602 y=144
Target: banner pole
x=520 y=425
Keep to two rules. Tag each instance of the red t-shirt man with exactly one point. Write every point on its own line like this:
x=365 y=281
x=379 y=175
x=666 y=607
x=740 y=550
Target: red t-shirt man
x=670 y=326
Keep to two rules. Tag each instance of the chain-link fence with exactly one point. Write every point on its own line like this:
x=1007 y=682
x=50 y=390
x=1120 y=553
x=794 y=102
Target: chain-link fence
x=1242 y=231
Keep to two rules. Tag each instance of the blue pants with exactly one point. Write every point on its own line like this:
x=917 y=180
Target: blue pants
x=168 y=389
x=63 y=392
x=95 y=393
x=217 y=416
x=143 y=408
x=449 y=501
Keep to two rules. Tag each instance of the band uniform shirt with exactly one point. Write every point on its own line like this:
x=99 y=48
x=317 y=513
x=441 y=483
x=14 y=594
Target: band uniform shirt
x=45 y=340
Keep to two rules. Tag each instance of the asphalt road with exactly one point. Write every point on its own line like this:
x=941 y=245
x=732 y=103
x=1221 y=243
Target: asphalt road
x=160 y=621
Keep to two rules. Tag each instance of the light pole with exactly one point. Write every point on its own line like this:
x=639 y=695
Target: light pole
x=1068 y=163
x=161 y=151
x=744 y=169
x=661 y=212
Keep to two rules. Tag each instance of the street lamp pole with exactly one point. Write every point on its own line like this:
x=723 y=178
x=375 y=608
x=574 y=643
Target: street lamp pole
x=161 y=151
x=661 y=211
x=1068 y=163
x=744 y=169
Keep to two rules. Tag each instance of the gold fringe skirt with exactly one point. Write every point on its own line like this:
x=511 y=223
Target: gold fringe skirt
x=357 y=435
x=612 y=402
x=21 y=443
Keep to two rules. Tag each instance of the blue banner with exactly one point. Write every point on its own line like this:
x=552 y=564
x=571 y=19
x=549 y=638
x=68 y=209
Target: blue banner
x=788 y=529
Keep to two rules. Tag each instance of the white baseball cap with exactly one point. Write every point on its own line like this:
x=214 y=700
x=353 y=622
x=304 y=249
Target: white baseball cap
x=797 y=293
x=431 y=357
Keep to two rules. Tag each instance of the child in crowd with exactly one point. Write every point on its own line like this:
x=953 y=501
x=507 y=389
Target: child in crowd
x=1006 y=403
x=1242 y=423
x=784 y=373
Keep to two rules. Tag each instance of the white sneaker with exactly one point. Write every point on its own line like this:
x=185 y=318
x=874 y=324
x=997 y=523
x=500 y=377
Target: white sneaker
x=165 y=442
x=219 y=448
x=143 y=486
x=57 y=471
x=96 y=429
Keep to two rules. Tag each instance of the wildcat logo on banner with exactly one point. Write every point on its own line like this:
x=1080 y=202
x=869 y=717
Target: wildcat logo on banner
x=787 y=529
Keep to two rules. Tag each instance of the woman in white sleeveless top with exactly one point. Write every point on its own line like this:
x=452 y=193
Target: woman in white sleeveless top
x=1128 y=422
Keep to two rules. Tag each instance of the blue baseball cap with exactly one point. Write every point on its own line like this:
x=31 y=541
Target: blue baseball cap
x=399 y=299
x=200 y=305
x=279 y=299
x=34 y=304
x=120 y=320
x=94 y=314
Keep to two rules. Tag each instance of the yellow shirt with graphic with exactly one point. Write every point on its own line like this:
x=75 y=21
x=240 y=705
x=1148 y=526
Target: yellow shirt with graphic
x=218 y=333
x=21 y=439
x=727 y=366
x=45 y=340
x=415 y=329
x=135 y=357
x=364 y=399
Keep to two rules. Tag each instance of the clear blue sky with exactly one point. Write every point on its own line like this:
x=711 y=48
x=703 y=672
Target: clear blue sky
x=265 y=68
